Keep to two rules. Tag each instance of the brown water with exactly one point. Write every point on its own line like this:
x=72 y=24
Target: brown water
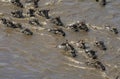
x=36 y=57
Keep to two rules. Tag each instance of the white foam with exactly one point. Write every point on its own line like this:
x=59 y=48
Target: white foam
x=80 y=67
x=38 y=28
x=73 y=60
x=61 y=47
x=53 y=2
x=5 y=0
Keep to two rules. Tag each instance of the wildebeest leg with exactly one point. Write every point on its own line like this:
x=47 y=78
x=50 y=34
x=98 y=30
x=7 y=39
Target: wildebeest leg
x=103 y=2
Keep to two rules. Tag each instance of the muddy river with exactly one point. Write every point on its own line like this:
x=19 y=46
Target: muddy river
x=37 y=56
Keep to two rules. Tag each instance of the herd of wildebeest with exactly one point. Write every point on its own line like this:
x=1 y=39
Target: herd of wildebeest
x=76 y=27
